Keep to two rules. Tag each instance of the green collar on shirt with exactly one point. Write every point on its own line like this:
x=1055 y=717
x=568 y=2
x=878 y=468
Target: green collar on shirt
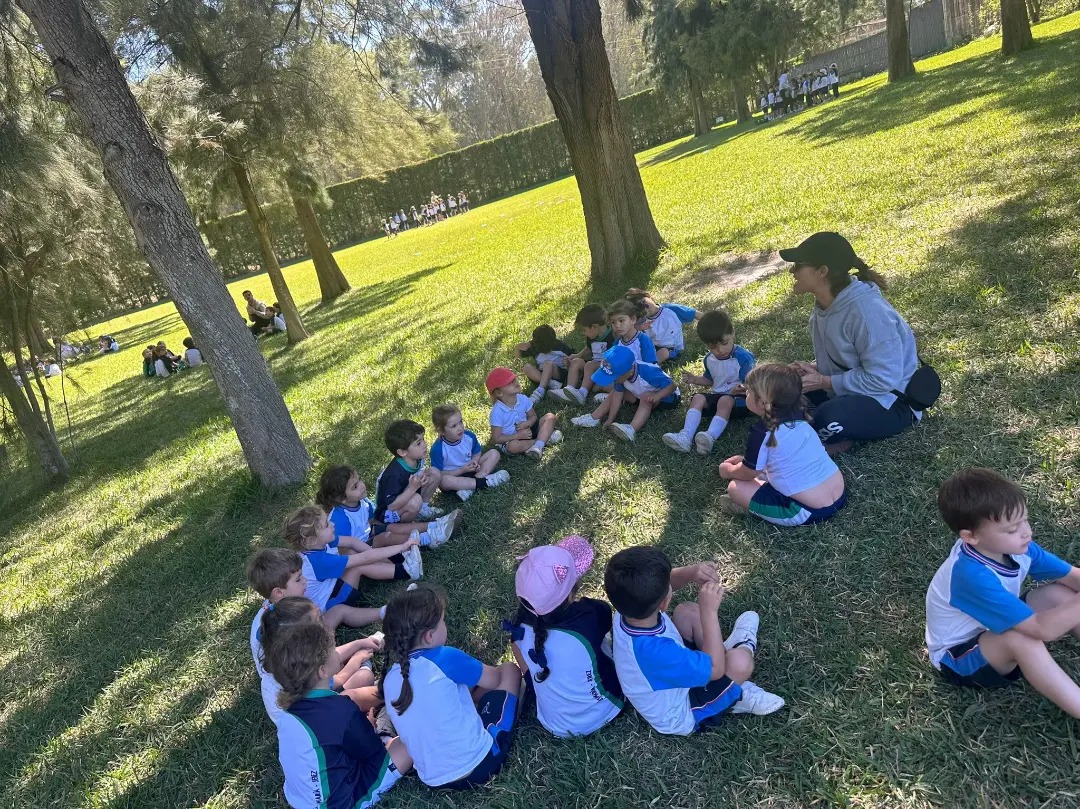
x=412 y=470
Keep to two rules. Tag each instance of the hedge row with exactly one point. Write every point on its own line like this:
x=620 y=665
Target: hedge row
x=485 y=171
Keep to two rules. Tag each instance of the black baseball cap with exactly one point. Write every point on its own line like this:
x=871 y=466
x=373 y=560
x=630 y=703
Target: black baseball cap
x=824 y=248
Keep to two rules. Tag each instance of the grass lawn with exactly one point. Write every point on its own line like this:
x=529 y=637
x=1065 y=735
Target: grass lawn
x=124 y=663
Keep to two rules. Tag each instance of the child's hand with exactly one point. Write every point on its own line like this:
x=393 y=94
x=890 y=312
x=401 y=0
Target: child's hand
x=728 y=467
x=709 y=598
x=738 y=390
x=522 y=425
x=412 y=541
x=471 y=466
x=415 y=481
x=372 y=643
x=651 y=398
x=362 y=656
x=705 y=572
x=804 y=367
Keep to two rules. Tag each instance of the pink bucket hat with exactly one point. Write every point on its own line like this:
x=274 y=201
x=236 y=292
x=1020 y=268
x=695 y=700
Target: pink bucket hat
x=547 y=575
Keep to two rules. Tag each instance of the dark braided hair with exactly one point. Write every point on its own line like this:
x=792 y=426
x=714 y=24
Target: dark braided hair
x=332 y=486
x=409 y=615
x=290 y=611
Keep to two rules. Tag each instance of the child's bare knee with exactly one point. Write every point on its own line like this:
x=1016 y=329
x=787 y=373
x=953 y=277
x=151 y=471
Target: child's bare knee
x=688 y=610
x=548 y=418
x=732 y=486
x=698 y=402
x=738 y=667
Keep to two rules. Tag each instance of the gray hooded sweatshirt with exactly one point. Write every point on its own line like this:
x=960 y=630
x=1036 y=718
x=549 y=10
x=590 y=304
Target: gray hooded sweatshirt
x=863 y=344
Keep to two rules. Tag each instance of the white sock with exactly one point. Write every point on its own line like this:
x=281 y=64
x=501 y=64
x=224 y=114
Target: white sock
x=693 y=419
x=539 y=444
x=539 y=391
x=382 y=613
x=716 y=426
x=425 y=538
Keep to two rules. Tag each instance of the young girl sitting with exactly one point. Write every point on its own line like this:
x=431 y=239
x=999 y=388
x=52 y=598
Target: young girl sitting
x=558 y=640
x=343 y=495
x=785 y=477
x=455 y=714
x=515 y=427
x=663 y=323
x=330 y=753
x=551 y=356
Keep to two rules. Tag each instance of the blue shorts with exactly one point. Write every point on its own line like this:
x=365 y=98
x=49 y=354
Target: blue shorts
x=343 y=594
x=965 y=665
x=498 y=710
x=710 y=702
x=779 y=509
x=713 y=399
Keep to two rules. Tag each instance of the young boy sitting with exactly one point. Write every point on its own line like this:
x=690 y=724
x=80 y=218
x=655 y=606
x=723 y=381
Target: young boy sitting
x=457 y=454
x=980 y=629
x=404 y=487
x=634 y=381
x=679 y=672
x=592 y=322
x=277 y=573
x=726 y=367
x=551 y=357
x=515 y=427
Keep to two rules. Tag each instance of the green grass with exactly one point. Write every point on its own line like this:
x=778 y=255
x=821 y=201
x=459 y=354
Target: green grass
x=124 y=664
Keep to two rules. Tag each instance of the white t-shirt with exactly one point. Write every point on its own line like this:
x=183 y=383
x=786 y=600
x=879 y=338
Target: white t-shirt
x=506 y=418
x=441 y=729
x=160 y=369
x=193 y=357
x=666 y=330
x=268 y=685
x=798 y=461
x=353 y=522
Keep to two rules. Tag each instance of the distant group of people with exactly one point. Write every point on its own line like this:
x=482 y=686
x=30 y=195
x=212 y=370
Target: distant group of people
x=107 y=344
x=160 y=362
x=794 y=92
x=264 y=319
x=436 y=209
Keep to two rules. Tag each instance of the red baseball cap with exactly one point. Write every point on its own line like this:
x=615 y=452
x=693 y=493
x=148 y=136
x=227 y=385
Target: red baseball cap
x=497 y=377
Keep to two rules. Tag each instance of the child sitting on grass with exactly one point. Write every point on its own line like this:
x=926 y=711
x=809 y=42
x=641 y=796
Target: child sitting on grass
x=634 y=381
x=330 y=753
x=404 y=487
x=663 y=323
x=592 y=322
x=333 y=578
x=551 y=356
x=277 y=575
x=679 y=672
x=515 y=427
x=343 y=495
x=558 y=640
x=726 y=367
x=456 y=453
x=785 y=477
x=455 y=714
x=623 y=317
x=980 y=630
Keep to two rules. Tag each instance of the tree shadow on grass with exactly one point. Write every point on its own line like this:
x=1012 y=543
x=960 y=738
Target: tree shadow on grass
x=696 y=146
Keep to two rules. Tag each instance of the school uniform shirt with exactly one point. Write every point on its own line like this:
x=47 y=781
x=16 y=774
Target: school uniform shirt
x=971 y=593
x=322 y=568
x=666 y=328
x=798 y=461
x=353 y=521
x=279 y=323
x=331 y=755
x=507 y=418
x=581 y=693
x=193 y=357
x=657 y=671
x=441 y=729
x=446 y=455
x=268 y=686
x=391 y=482
x=643 y=347
x=727 y=373
x=558 y=354
x=647 y=378
x=602 y=343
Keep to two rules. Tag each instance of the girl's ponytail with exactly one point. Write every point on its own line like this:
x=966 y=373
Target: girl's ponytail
x=409 y=615
x=538 y=655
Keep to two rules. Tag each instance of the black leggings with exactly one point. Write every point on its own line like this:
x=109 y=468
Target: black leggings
x=857 y=418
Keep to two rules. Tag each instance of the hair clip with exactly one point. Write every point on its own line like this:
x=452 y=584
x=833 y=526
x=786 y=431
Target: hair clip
x=270 y=608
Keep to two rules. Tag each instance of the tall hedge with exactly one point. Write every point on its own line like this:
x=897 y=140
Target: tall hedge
x=485 y=171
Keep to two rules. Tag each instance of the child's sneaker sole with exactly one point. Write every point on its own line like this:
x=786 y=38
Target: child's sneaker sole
x=676 y=441
x=703 y=443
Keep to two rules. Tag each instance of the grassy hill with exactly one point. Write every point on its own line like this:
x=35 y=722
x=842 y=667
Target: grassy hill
x=124 y=660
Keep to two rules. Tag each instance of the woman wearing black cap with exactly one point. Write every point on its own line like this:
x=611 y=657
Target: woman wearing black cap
x=865 y=351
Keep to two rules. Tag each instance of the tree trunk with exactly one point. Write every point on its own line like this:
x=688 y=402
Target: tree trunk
x=742 y=108
x=702 y=121
x=1015 y=28
x=293 y=324
x=570 y=50
x=896 y=34
x=332 y=281
x=44 y=448
x=1034 y=9
x=165 y=230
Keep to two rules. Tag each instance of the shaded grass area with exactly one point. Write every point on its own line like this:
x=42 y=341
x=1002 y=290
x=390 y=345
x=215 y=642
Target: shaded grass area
x=124 y=658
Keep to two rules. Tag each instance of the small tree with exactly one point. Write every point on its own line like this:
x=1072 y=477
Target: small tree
x=896 y=35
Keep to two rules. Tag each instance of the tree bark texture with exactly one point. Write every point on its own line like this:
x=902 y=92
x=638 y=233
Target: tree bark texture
x=165 y=230
x=44 y=448
x=742 y=107
x=896 y=35
x=1015 y=28
x=569 y=44
x=294 y=326
x=332 y=281
x=702 y=119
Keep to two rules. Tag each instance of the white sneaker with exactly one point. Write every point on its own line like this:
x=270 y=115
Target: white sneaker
x=535 y=452
x=624 y=431
x=413 y=565
x=536 y=396
x=560 y=394
x=464 y=494
x=680 y=442
x=757 y=701
x=555 y=438
x=585 y=421
x=429 y=512
x=703 y=443
x=441 y=529
x=744 y=632
x=600 y=397
x=553 y=384
x=578 y=394
x=497 y=478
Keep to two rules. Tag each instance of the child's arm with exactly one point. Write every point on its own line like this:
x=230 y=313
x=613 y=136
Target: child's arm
x=530 y=420
x=369 y=555
x=659 y=395
x=694 y=379
x=499 y=437
x=521 y=348
x=1071 y=579
x=734 y=469
x=712 y=642
x=352 y=665
x=352 y=543
x=701 y=573
x=402 y=499
x=1051 y=624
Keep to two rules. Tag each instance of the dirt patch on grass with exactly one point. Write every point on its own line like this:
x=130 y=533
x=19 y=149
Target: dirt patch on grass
x=719 y=274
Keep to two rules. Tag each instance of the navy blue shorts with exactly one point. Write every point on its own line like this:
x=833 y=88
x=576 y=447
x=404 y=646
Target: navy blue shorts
x=779 y=509
x=343 y=593
x=713 y=399
x=965 y=665
x=710 y=702
x=857 y=418
x=498 y=710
